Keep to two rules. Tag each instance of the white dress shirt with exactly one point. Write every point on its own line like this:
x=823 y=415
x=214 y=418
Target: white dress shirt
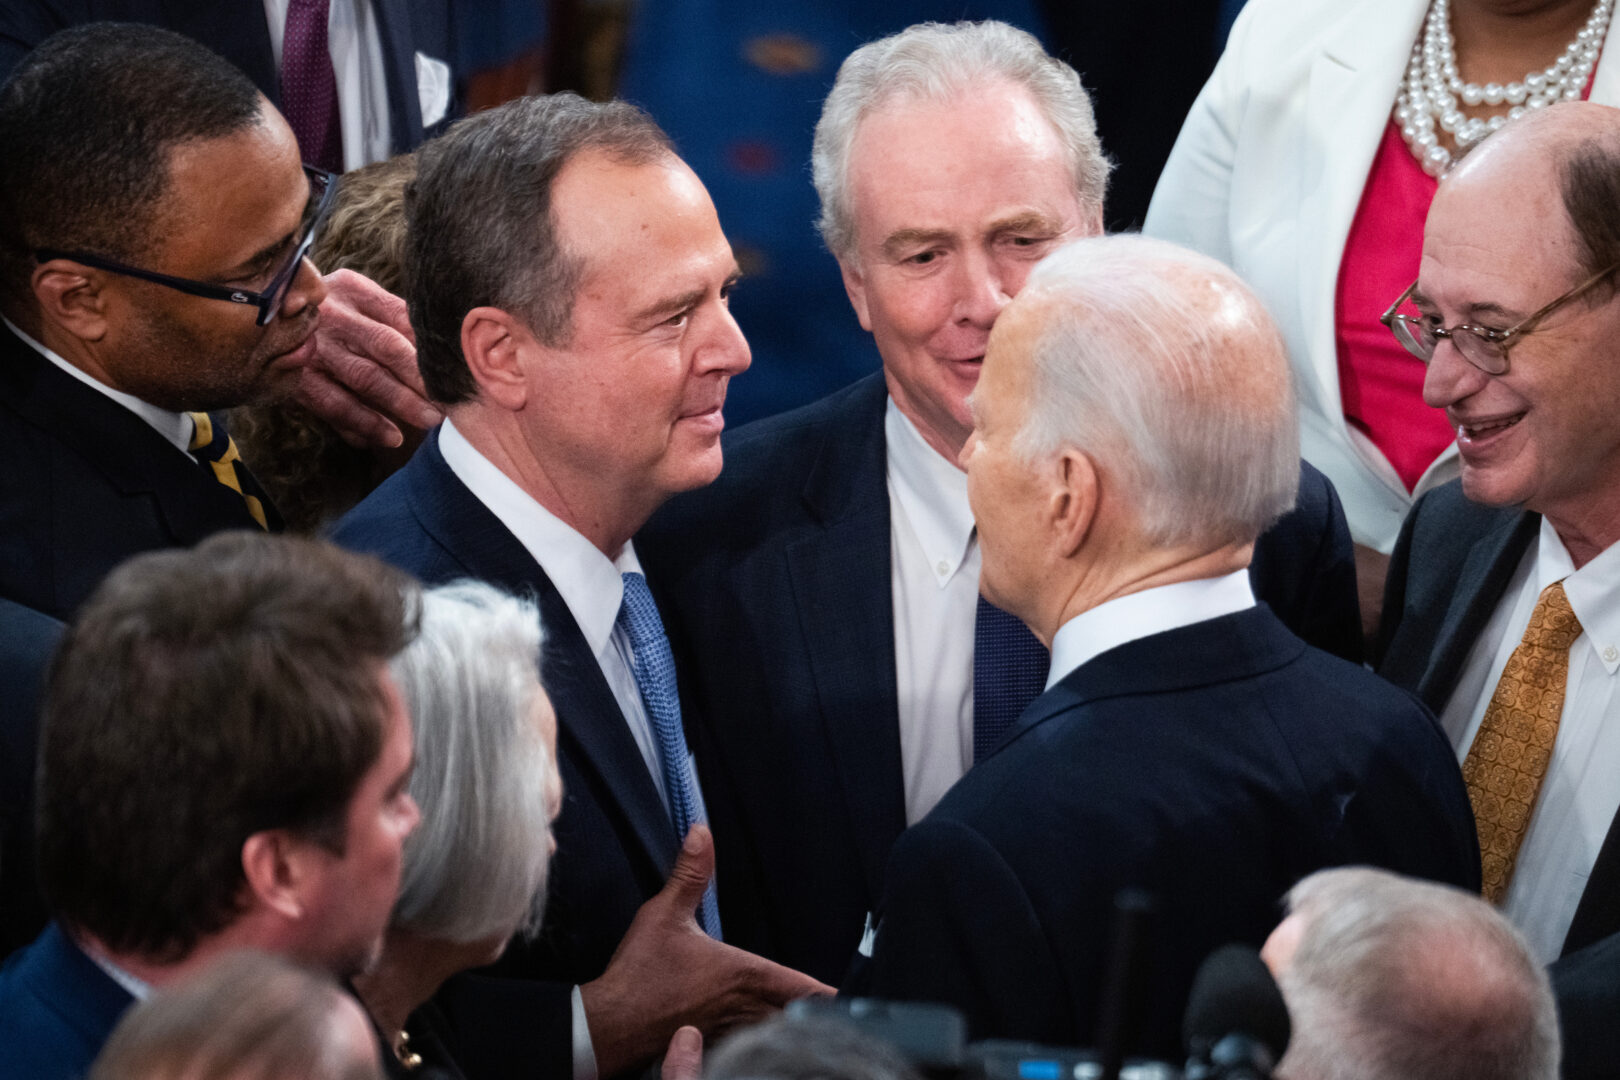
x=934 y=568
x=362 y=83
x=176 y=427
x=1581 y=791
x=1142 y=614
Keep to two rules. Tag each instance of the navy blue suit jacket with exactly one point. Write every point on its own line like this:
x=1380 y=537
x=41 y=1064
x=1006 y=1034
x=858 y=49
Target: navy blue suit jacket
x=1212 y=765
x=774 y=585
x=237 y=30
x=88 y=485
x=615 y=845
x=56 y=1010
x=27 y=640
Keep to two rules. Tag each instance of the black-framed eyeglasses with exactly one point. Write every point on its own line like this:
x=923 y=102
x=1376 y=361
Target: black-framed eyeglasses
x=1481 y=346
x=322 y=189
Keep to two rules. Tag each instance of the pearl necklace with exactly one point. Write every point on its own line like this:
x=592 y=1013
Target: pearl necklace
x=1430 y=91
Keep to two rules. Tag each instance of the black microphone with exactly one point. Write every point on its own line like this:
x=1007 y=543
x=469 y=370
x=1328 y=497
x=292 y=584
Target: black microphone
x=1236 y=1025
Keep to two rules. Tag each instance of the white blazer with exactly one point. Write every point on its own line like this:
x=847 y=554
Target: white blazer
x=1267 y=175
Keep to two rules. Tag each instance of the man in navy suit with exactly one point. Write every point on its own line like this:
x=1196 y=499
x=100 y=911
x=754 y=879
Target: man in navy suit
x=27 y=640
x=155 y=216
x=568 y=281
x=1133 y=435
x=1530 y=527
x=823 y=594
x=225 y=762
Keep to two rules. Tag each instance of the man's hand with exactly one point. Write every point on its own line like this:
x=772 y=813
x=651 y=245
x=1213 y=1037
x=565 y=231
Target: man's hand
x=363 y=377
x=668 y=973
x=684 y=1058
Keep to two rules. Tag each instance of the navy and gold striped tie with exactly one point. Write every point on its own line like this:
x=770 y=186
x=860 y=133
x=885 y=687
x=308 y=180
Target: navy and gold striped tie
x=212 y=445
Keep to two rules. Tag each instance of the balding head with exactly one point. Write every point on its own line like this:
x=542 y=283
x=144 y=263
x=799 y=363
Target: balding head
x=1163 y=371
x=1389 y=978
x=1527 y=218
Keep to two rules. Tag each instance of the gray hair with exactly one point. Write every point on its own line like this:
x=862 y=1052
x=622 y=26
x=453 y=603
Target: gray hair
x=479 y=225
x=1163 y=365
x=937 y=62
x=805 y=1048
x=1394 y=978
x=476 y=866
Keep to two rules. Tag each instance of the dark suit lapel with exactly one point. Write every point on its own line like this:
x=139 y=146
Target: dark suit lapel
x=1484 y=575
x=846 y=613
x=399 y=57
x=588 y=715
x=80 y=992
x=239 y=33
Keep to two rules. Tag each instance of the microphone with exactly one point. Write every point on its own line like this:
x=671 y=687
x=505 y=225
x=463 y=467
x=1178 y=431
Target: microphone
x=1236 y=1026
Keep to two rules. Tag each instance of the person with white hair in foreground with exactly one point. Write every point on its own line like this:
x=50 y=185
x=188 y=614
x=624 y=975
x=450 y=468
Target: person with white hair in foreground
x=1392 y=979
x=1133 y=433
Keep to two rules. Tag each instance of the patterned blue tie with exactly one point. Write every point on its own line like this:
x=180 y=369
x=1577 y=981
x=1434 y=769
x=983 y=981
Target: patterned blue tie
x=1009 y=672
x=655 y=678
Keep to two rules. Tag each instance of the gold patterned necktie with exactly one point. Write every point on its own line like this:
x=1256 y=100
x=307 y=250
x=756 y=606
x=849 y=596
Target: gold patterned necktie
x=1509 y=758
x=212 y=445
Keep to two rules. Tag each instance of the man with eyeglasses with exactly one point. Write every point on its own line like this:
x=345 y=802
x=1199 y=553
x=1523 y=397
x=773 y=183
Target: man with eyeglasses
x=155 y=215
x=1503 y=603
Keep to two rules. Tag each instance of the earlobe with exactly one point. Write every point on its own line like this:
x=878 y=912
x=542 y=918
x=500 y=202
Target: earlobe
x=72 y=298
x=496 y=347
x=855 y=287
x=1073 y=503
x=273 y=864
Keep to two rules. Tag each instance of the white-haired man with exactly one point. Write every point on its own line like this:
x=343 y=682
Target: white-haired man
x=1387 y=978
x=823 y=594
x=1133 y=434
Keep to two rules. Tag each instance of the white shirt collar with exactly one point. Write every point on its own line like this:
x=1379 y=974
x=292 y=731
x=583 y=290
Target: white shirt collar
x=1593 y=592
x=587 y=579
x=176 y=427
x=931 y=490
x=1143 y=614
x=139 y=989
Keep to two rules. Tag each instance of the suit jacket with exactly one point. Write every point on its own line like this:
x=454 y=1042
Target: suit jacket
x=238 y=31
x=56 y=1010
x=615 y=845
x=27 y=640
x=1452 y=566
x=90 y=485
x=1213 y=766
x=1266 y=177
x=774 y=583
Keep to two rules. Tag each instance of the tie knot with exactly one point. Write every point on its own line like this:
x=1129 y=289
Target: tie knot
x=638 y=612
x=206 y=433
x=1553 y=624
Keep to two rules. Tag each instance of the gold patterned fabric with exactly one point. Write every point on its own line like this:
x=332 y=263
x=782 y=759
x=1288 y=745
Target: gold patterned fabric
x=212 y=445
x=1509 y=758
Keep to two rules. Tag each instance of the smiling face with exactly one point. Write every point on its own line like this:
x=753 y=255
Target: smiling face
x=1546 y=434
x=231 y=215
x=631 y=401
x=953 y=204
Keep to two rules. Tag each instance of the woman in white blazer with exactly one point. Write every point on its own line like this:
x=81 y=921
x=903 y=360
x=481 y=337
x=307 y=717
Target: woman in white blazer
x=1267 y=176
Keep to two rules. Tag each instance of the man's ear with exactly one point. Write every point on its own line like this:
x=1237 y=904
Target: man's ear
x=278 y=867
x=497 y=348
x=71 y=296
x=855 y=287
x=1072 y=505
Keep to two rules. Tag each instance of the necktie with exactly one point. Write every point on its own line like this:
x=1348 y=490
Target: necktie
x=213 y=446
x=1508 y=760
x=309 y=97
x=655 y=678
x=1009 y=671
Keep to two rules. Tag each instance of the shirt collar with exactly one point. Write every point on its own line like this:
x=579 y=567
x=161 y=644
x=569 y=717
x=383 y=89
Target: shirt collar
x=139 y=989
x=588 y=580
x=931 y=490
x=1593 y=592
x=176 y=427
x=1143 y=614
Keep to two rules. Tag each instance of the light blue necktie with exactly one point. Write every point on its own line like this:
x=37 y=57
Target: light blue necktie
x=655 y=678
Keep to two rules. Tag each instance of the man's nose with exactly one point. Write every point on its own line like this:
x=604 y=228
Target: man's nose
x=981 y=292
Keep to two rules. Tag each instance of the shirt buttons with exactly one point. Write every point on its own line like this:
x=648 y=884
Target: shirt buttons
x=1610 y=654
x=942 y=568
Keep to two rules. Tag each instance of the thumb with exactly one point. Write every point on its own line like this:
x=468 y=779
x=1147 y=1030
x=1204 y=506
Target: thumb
x=693 y=868
x=684 y=1059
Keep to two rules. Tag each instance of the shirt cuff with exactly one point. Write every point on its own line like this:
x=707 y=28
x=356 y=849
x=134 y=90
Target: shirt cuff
x=584 y=1052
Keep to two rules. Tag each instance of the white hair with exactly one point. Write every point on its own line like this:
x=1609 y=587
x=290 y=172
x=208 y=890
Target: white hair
x=476 y=866
x=938 y=62
x=1395 y=979
x=1164 y=367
